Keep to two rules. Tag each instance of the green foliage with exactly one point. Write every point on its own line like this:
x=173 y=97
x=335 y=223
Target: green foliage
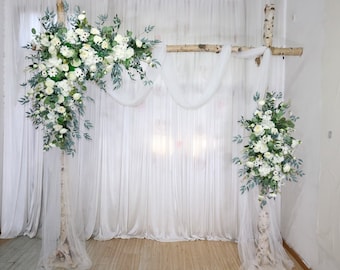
x=268 y=155
x=63 y=60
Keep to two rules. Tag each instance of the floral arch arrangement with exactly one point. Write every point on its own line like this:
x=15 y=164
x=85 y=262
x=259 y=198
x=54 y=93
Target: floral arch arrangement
x=62 y=61
x=268 y=158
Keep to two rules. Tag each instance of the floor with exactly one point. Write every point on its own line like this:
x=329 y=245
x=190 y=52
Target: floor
x=23 y=253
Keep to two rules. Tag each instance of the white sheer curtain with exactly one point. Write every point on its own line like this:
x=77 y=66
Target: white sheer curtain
x=159 y=165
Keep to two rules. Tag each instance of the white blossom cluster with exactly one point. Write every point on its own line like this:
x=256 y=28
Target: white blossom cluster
x=64 y=59
x=268 y=157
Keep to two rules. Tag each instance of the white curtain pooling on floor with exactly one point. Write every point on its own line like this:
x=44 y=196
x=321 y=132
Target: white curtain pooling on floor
x=159 y=165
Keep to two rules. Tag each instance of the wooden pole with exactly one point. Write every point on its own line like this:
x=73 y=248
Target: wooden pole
x=63 y=255
x=268 y=27
x=60 y=12
x=267 y=39
x=235 y=49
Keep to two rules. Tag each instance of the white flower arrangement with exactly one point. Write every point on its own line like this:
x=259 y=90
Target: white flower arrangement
x=268 y=157
x=64 y=59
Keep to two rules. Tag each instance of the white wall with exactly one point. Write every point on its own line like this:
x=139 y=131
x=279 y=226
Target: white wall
x=311 y=215
x=1 y=98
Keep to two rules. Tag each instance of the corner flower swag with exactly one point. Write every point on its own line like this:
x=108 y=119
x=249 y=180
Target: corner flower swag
x=268 y=157
x=64 y=59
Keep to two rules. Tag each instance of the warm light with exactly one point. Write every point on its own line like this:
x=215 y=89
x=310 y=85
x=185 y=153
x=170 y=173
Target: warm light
x=162 y=145
x=199 y=145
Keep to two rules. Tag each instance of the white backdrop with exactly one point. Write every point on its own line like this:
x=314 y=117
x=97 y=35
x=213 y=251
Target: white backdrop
x=159 y=165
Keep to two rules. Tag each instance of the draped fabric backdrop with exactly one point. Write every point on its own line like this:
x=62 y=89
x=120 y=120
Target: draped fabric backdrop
x=159 y=165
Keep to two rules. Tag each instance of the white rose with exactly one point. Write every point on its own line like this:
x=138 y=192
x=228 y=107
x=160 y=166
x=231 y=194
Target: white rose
x=82 y=16
x=295 y=143
x=45 y=42
x=272 y=195
x=260 y=147
x=64 y=67
x=268 y=155
x=41 y=67
x=61 y=99
x=97 y=39
x=76 y=96
x=261 y=102
x=250 y=164
x=274 y=131
x=61 y=109
x=55 y=41
x=72 y=76
x=259 y=113
x=52 y=50
x=276 y=178
x=105 y=44
x=264 y=170
x=278 y=159
x=286 y=168
x=57 y=127
x=108 y=68
x=95 y=31
x=49 y=91
x=258 y=130
x=84 y=54
x=76 y=62
x=63 y=131
x=79 y=31
x=138 y=43
x=119 y=39
x=129 y=53
x=49 y=83
x=93 y=68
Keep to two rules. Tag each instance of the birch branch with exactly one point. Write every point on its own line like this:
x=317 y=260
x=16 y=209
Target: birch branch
x=235 y=49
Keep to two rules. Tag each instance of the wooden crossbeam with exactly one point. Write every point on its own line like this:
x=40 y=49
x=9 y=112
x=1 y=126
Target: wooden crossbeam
x=217 y=49
x=267 y=39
